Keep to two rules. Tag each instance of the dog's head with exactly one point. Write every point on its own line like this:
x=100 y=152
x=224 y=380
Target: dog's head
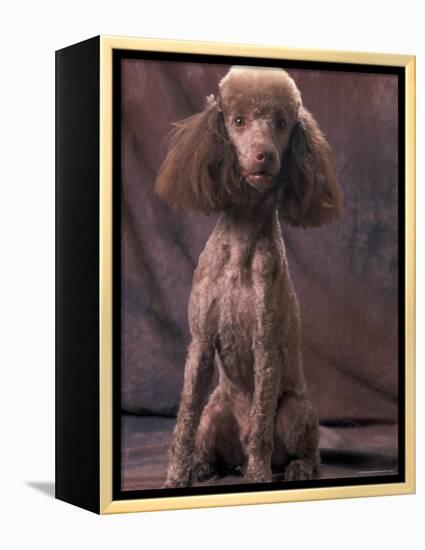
x=255 y=137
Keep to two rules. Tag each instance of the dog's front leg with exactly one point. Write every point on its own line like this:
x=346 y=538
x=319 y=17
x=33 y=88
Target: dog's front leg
x=197 y=379
x=260 y=445
x=267 y=368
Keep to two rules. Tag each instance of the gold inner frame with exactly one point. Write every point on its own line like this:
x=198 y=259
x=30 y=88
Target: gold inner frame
x=107 y=504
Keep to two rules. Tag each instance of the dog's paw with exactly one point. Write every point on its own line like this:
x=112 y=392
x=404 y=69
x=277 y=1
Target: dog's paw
x=298 y=470
x=203 y=471
x=178 y=479
x=171 y=483
x=258 y=472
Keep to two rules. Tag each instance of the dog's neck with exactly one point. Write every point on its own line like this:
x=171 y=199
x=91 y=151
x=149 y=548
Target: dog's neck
x=253 y=221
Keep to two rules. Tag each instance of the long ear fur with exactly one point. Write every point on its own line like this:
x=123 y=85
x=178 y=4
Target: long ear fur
x=311 y=195
x=200 y=168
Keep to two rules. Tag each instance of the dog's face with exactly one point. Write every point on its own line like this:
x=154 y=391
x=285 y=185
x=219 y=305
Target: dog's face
x=260 y=108
x=255 y=136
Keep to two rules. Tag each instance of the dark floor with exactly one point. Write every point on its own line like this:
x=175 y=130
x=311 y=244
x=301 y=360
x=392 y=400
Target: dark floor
x=345 y=452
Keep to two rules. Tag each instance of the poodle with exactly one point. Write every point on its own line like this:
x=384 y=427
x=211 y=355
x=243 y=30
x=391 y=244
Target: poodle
x=253 y=153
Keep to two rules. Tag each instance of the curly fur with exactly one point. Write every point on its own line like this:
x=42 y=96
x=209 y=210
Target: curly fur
x=253 y=151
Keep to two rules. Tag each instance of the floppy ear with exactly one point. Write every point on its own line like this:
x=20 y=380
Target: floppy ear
x=311 y=195
x=200 y=165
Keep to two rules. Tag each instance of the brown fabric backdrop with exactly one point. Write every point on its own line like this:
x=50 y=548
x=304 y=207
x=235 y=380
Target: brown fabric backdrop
x=345 y=274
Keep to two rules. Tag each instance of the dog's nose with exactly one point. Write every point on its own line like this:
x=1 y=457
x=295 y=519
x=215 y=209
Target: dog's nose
x=263 y=157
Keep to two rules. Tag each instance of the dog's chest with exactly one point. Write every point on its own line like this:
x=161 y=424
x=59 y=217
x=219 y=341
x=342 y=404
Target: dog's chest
x=226 y=303
x=230 y=303
x=223 y=303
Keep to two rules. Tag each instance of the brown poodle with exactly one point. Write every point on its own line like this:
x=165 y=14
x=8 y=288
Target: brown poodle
x=252 y=152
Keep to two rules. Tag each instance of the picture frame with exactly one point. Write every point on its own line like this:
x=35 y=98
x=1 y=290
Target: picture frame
x=91 y=263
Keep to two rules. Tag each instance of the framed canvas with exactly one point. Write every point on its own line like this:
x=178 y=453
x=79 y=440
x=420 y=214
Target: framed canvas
x=234 y=274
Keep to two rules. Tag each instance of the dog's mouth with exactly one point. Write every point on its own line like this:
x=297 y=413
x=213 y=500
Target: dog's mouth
x=260 y=180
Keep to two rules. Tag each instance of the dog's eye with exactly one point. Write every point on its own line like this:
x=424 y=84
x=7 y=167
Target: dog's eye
x=239 y=121
x=281 y=123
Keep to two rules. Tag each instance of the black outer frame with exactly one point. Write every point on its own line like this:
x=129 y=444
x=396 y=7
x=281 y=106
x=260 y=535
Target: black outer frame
x=77 y=276
x=77 y=465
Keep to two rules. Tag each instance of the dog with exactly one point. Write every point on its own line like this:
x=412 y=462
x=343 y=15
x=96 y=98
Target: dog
x=253 y=154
